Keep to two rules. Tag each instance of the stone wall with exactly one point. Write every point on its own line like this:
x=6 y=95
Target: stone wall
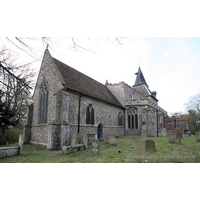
x=104 y=113
x=48 y=70
x=9 y=151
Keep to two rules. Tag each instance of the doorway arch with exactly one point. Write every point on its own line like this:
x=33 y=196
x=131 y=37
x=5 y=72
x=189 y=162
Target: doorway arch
x=100 y=131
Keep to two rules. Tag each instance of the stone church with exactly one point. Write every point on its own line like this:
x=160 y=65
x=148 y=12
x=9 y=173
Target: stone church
x=65 y=101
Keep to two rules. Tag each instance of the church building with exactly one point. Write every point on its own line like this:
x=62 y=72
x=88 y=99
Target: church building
x=65 y=101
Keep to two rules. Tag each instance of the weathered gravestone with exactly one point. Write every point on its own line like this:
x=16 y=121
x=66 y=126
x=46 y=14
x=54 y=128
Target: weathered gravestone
x=95 y=148
x=83 y=140
x=179 y=134
x=110 y=140
x=163 y=133
x=74 y=139
x=20 y=143
x=197 y=136
x=172 y=136
x=150 y=146
x=139 y=151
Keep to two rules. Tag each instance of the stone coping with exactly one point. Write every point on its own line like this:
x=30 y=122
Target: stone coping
x=77 y=145
x=5 y=148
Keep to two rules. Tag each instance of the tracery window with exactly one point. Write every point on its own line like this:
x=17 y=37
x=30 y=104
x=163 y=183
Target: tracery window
x=132 y=119
x=43 y=103
x=90 y=114
x=119 y=118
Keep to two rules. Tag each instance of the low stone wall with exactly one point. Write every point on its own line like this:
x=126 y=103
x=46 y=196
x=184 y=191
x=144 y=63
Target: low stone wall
x=9 y=151
x=12 y=151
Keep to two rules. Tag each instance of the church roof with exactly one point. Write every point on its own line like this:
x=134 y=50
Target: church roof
x=82 y=83
x=140 y=78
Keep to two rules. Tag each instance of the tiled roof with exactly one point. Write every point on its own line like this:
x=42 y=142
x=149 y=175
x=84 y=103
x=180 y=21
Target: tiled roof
x=81 y=83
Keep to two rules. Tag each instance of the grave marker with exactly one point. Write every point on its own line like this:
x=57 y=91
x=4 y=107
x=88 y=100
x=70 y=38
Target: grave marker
x=139 y=151
x=95 y=148
x=172 y=136
x=20 y=143
x=150 y=146
x=197 y=136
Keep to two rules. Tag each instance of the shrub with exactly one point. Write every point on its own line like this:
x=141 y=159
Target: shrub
x=11 y=135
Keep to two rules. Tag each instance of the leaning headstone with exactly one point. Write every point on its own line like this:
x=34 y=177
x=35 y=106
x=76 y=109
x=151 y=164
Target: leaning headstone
x=20 y=143
x=197 y=136
x=95 y=148
x=83 y=140
x=150 y=146
x=172 y=136
x=139 y=151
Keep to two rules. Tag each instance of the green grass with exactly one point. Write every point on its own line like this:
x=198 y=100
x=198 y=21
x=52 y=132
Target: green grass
x=188 y=152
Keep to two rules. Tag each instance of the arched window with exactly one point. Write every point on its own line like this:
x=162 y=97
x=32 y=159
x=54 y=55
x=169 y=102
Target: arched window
x=136 y=121
x=119 y=118
x=90 y=115
x=129 y=121
x=132 y=119
x=43 y=105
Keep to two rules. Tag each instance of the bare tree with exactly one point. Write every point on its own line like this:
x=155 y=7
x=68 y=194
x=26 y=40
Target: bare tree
x=15 y=85
x=194 y=103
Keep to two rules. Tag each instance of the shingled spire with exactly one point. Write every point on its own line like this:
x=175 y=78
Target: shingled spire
x=140 y=78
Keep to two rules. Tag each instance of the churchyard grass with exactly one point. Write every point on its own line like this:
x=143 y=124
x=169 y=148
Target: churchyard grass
x=186 y=152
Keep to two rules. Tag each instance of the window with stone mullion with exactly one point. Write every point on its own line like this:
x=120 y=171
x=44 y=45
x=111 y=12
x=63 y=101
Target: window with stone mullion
x=43 y=109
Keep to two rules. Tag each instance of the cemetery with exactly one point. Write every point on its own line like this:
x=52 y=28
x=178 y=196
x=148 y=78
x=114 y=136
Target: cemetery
x=124 y=149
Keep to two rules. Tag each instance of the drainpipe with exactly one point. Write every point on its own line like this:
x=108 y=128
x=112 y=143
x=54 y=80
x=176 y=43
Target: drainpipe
x=79 y=112
x=157 y=121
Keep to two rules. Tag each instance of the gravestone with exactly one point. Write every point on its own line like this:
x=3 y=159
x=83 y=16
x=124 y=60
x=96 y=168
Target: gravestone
x=95 y=148
x=110 y=140
x=197 y=136
x=20 y=143
x=150 y=146
x=172 y=136
x=64 y=150
x=74 y=139
x=83 y=140
x=163 y=133
x=139 y=151
x=179 y=133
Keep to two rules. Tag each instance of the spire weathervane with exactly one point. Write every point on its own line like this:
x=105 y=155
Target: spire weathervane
x=139 y=63
x=47 y=46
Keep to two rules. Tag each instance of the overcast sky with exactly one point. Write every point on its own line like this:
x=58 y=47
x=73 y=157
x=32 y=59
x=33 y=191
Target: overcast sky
x=170 y=65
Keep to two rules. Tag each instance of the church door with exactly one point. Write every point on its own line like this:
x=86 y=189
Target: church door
x=100 y=131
